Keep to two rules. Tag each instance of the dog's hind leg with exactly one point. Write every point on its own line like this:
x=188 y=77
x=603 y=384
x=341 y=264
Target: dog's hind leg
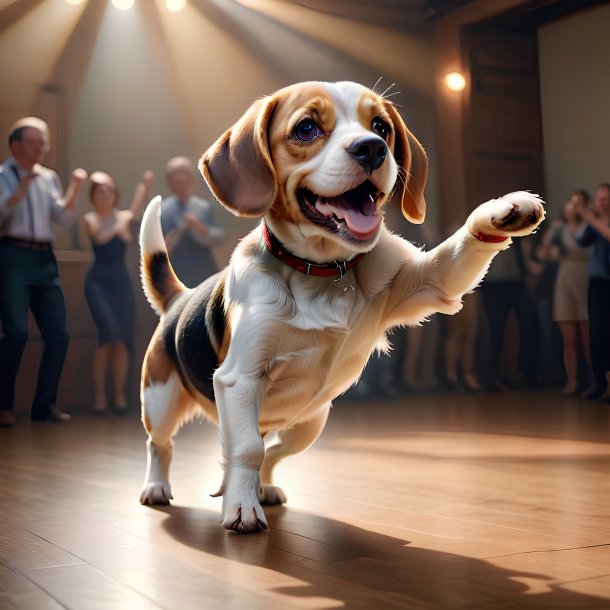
x=162 y=415
x=291 y=441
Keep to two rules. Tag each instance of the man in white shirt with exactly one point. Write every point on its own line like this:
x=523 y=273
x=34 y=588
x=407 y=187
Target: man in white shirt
x=31 y=199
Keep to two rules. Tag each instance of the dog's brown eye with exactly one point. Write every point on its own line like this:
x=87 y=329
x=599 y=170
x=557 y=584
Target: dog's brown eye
x=381 y=128
x=307 y=130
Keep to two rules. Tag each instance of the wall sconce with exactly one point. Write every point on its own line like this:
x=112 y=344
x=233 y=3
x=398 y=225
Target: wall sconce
x=455 y=81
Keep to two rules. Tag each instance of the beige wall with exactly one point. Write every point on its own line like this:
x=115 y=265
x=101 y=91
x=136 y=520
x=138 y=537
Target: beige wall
x=575 y=89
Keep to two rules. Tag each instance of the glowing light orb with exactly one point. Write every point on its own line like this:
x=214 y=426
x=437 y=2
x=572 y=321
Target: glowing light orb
x=175 y=5
x=455 y=81
x=123 y=5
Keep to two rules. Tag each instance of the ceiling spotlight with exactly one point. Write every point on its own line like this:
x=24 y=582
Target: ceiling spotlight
x=175 y=5
x=455 y=81
x=123 y=5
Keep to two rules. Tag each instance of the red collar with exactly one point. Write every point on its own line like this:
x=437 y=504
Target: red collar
x=300 y=264
x=489 y=238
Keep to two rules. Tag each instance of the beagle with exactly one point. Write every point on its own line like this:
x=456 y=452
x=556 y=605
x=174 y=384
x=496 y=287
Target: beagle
x=268 y=343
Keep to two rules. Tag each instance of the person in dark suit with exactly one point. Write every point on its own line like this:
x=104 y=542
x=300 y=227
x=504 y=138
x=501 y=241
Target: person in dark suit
x=31 y=200
x=504 y=290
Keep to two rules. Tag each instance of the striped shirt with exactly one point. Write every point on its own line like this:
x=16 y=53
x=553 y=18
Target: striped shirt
x=33 y=217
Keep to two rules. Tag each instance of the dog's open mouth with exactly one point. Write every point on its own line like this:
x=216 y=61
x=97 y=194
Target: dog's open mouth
x=353 y=213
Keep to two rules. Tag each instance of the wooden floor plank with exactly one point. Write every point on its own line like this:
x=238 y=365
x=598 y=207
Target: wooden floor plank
x=18 y=593
x=86 y=588
x=478 y=502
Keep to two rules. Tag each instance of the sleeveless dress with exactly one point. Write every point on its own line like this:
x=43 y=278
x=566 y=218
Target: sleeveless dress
x=109 y=293
x=570 y=296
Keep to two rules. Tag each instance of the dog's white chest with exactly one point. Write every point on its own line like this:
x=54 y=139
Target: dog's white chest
x=300 y=381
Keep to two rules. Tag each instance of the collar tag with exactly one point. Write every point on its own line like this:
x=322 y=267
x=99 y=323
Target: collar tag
x=275 y=247
x=342 y=284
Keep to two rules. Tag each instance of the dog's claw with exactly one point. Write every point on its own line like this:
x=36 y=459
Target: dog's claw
x=156 y=493
x=239 y=525
x=510 y=217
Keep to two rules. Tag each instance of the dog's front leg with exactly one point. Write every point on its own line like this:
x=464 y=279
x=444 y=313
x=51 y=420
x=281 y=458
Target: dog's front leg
x=238 y=399
x=460 y=262
x=436 y=281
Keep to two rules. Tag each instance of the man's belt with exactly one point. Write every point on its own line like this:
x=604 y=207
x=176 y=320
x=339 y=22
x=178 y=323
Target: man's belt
x=37 y=246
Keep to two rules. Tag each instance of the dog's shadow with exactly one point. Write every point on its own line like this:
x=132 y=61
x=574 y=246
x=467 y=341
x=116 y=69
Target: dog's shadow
x=351 y=565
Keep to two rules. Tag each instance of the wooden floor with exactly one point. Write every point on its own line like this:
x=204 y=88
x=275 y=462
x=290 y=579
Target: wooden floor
x=494 y=501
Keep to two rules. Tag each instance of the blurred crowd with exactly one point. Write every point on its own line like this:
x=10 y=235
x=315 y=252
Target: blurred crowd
x=541 y=317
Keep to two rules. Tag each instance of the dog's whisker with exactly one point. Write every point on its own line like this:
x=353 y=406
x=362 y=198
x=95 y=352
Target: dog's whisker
x=376 y=83
x=401 y=175
x=384 y=93
x=385 y=97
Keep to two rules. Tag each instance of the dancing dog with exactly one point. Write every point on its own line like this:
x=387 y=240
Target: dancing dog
x=268 y=343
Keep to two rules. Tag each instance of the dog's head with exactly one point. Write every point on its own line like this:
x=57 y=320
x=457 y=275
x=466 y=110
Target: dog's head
x=319 y=160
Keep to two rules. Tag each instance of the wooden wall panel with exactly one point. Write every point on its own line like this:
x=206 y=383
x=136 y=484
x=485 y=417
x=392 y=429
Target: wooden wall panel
x=502 y=122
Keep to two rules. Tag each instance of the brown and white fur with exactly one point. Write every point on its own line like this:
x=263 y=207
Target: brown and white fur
x=279 y=344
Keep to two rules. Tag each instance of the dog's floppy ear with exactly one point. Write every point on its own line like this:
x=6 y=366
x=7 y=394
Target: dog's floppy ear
x=411 y=157
x=238 y=167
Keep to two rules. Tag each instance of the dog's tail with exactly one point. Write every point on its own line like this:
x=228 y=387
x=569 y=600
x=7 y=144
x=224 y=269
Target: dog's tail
x=159 y=280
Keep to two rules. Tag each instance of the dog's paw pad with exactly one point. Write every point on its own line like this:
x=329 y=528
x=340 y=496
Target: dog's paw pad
x=514 y=215
x=270 y=495
x=156 y=493
x=518 y=212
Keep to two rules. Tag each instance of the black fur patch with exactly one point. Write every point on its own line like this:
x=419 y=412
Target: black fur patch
x=157 y=268
x=195 y=350
x=169 y=325
x=215 y=316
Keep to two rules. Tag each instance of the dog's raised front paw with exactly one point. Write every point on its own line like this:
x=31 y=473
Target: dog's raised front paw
x=270 y=495
x=156 y=492
x=514 y=215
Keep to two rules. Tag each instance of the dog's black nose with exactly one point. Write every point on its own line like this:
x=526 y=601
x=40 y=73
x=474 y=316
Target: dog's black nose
x=370 y=152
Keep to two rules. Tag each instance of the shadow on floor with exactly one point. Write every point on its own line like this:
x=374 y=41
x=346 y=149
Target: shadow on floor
x=359 y=569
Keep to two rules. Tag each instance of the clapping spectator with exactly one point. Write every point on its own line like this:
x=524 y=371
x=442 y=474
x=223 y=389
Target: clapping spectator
x=595 y=231
x=188 y=225
x=31 y=201
x=570 y=289
x=108 y=288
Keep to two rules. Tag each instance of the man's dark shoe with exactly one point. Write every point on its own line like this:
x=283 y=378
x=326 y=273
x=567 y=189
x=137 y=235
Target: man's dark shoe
x=7 y=419
x=53 y=414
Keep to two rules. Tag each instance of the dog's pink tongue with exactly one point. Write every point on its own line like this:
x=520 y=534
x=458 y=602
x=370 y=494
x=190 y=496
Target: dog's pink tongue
x=358 y=210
